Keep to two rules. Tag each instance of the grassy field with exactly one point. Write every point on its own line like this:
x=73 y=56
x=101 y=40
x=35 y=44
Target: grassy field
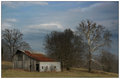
x=8 y=72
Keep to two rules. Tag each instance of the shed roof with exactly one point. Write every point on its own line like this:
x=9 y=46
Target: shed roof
x=39 y=57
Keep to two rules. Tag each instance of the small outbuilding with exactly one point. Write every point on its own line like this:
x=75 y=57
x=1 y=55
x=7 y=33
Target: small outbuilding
x=35 y=62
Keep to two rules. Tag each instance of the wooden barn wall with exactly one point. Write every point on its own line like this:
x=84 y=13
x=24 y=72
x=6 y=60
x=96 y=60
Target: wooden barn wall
x=25 y=63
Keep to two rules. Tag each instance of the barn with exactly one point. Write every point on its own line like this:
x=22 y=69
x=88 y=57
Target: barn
x=35 y=62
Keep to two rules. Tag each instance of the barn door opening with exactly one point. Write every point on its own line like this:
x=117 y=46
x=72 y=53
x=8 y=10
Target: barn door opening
x=37 y=67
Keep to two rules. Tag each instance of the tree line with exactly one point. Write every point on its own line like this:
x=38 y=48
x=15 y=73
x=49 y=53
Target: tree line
x=84 y=47
x=78 y=48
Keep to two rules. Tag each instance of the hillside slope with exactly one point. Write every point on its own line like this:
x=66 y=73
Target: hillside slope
x=7 y=71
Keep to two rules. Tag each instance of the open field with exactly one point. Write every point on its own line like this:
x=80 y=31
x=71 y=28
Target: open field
x=7 y=71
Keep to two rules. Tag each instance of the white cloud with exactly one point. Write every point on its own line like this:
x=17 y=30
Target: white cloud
x=97 y=7
x=47 y=26
x=8 y=23
x=11 y=20
x=38 y=3
x=15 y=4
x=78 y=9
x=104 y=13
x=43 y=28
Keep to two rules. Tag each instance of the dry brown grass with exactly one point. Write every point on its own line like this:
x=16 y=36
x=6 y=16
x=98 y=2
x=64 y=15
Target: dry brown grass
x=8 y=72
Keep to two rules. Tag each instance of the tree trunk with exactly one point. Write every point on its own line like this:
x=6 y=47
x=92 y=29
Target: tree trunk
x=89 y=66
x=90 y=61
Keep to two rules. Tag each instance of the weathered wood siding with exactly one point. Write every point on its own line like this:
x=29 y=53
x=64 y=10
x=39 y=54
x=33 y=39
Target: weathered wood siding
x=25 y=63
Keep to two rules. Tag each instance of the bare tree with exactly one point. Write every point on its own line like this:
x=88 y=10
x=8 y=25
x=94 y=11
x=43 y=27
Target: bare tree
x=13 y=40
x=95 y=36
x=109 y=61
x=64 y=47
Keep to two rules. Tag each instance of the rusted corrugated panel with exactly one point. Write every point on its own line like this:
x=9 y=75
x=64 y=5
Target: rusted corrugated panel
x=39 y=57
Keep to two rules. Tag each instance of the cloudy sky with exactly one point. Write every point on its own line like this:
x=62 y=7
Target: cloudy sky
x=36 y=19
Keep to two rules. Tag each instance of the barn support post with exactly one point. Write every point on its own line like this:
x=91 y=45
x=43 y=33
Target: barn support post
x=30 y=64
x=23 y=62
x=62 y=66
x=13 y=62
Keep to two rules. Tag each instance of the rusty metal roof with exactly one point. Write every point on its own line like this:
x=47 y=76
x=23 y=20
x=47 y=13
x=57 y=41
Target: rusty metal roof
x=39 y=57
